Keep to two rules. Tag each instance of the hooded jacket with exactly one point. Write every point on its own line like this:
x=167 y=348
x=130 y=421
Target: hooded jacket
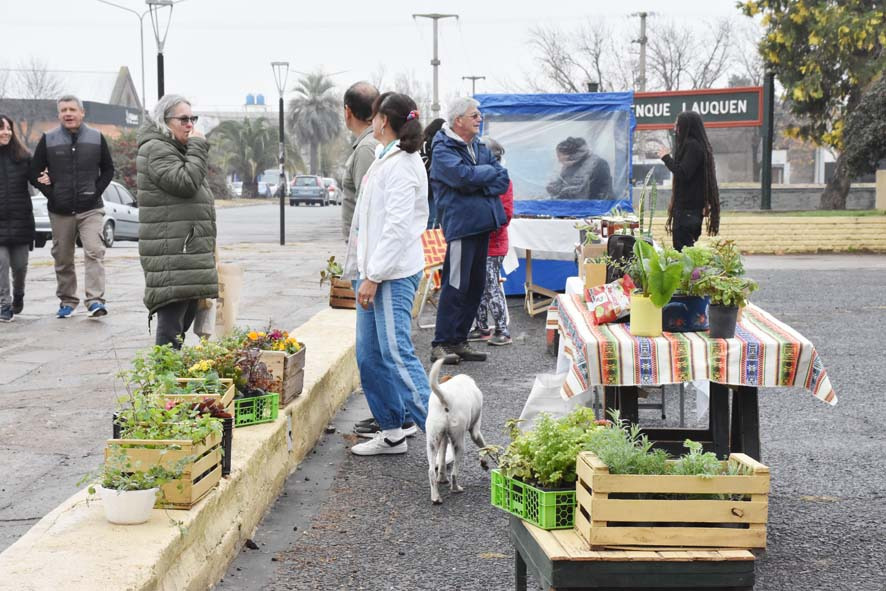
x=176 y=214
x=16 y=211
x=584 y=176
x=467 y=181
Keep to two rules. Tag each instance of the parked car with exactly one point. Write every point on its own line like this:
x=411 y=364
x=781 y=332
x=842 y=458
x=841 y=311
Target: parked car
x=335 y=195
x=120 y=221
x=267 y=183
x=236 y=188
x=308 y=189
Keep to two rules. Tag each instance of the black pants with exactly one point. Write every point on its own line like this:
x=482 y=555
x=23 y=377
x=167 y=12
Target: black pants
x=464 y=279
x=686 y=227
x=173 y=322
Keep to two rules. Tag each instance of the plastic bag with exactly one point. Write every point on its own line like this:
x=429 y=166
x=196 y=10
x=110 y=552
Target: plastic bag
x=204 y=321
x=230 y=281
x=545 y=397
x=608 y=303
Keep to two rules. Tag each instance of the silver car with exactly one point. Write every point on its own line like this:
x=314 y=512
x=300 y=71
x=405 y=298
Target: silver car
x=120 y=221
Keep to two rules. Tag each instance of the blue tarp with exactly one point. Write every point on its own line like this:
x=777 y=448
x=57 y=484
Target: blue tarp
x=530 y=127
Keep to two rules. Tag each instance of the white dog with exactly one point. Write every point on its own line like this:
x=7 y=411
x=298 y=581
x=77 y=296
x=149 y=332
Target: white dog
x=455 y=407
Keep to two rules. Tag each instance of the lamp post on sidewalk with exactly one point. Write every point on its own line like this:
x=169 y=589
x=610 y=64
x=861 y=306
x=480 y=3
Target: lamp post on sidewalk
x=435 y=16
x=155 y=8
x=141 y=35
x=281 y=73
x=473 y=80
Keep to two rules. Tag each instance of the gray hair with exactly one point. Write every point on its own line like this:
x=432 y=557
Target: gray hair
x=163 y=110
x=459 y=107
x=496 y=148
x=69 y=98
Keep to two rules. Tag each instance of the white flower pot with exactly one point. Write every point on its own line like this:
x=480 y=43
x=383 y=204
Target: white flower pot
x=127 y=507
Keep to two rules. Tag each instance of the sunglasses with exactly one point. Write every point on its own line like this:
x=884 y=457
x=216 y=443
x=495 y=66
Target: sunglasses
x=185 y=119
x=475 y=116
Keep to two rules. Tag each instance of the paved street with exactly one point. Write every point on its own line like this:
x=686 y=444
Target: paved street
x=367 y=523
x=57 y=384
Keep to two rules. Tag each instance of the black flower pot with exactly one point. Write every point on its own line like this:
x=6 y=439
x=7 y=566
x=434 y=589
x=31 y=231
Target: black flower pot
x=722 y=320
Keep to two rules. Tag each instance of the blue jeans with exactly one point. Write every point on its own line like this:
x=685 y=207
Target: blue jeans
x=393 y=378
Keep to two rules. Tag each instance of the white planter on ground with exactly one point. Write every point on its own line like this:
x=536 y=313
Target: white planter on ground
x=127 y=507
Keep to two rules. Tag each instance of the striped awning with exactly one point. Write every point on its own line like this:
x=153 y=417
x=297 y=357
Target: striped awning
x=765 y=353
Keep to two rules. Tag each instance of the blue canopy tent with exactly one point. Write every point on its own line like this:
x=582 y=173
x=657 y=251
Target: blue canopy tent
x=535 y=130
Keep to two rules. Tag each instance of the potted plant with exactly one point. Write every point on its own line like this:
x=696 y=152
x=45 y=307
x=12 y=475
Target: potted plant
x=687 y=311
x=341 y=293
x=723 y=281
x=657 y=280
x=128 y=494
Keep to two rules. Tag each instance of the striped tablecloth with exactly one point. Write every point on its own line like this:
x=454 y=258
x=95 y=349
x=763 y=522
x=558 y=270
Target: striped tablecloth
x=765 y=352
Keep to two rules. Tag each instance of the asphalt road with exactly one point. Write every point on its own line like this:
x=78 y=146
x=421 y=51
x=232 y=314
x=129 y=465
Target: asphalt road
x=345 y=522
x=57 y=377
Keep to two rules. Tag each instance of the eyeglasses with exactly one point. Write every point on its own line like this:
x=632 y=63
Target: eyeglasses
x=475 y=116
x=184 y=120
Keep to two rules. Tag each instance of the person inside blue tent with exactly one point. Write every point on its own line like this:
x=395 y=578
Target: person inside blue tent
x=584 y=174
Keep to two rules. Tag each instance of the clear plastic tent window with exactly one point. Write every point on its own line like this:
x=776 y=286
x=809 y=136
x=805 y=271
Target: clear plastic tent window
x=567 y=154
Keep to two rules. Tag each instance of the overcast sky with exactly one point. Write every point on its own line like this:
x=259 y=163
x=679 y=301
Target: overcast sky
x=217 y=51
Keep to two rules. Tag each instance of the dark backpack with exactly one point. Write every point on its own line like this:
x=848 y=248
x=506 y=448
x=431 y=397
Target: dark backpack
x=620 y=248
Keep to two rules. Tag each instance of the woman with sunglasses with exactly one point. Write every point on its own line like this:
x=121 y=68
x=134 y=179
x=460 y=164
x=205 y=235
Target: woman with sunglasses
x=176 y=214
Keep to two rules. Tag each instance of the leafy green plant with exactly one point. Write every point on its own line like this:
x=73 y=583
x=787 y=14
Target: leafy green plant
x=545 y=455
x=589 y=233
x=696 y=462
x=150 y=365
x=656 y=278
x=147 y=417
x=118 y=472
x=724 y=290
x=332 y=271
x=625 y=449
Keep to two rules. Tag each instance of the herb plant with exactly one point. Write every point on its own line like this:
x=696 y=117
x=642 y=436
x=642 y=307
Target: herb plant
x=332 y=271
x=656 y=277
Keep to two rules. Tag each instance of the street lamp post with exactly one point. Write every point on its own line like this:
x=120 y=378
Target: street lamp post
x=281 y=72
x=155 y=7
x=141 y=34
x=435 y=107
x=473 y=80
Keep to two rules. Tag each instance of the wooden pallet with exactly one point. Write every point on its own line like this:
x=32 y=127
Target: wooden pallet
x=200 y=475
x=226 y=398
x=341 y=295
x=289 y=370
x=560 y=559
x=609 y=511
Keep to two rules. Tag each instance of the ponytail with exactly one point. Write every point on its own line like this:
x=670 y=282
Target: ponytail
x=403 y=117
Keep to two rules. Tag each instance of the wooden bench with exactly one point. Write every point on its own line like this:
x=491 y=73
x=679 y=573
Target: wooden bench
x=561 y=561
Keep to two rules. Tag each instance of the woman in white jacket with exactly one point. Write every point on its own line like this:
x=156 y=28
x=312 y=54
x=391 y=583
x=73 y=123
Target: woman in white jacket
x=385 y=260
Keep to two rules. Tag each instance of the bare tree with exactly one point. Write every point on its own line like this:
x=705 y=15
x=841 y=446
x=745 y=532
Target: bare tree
x=679 y=55
x=713 y=61
x=34 y=85
x=554 y=57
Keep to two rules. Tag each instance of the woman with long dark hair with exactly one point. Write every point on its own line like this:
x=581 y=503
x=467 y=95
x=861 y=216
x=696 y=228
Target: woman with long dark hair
x=385 y=262
x=694 y=191
x=16 y=219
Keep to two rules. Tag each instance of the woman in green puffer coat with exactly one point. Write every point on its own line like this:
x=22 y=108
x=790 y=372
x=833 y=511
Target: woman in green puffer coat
x=176 y=214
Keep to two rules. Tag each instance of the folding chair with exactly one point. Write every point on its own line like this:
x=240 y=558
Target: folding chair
x=434 y=246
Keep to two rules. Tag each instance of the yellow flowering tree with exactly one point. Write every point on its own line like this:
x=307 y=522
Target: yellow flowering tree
x=827 y=54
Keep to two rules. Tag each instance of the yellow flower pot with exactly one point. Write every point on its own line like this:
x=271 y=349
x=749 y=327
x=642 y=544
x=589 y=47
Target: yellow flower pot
x=645 y=317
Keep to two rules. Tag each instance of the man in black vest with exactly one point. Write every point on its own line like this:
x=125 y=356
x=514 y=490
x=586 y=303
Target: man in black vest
x=80 y=168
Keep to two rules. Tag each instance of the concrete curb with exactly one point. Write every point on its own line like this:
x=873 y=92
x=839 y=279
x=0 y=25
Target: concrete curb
x=73 y=547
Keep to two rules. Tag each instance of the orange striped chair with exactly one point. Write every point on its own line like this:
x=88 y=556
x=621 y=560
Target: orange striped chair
x=434 y=246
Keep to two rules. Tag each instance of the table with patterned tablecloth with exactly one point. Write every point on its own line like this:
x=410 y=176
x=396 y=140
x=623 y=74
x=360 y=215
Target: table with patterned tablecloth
x=764 y=353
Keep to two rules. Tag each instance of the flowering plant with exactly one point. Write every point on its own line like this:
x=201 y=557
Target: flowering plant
x=272 y=340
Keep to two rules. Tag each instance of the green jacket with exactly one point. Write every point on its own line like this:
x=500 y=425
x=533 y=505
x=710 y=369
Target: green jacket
x=176 y=214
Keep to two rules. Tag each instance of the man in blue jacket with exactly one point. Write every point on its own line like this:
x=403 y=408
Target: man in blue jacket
x=467 y=181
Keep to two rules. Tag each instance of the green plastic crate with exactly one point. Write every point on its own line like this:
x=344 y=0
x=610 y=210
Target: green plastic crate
x=256 y=409
x=548 y=509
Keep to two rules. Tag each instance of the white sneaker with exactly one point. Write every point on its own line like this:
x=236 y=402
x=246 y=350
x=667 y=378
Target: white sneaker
x=381 y=444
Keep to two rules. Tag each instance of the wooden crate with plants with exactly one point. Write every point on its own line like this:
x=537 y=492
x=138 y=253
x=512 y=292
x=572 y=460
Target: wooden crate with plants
x=696 y=501
x=341 y=293
x=195 y=390
x=181 y=438
x=284 y=358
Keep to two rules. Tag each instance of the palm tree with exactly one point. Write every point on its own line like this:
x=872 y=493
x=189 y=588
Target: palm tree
x=315 y=115
x=248 y=147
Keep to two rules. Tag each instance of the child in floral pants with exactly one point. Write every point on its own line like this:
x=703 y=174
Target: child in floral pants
x=493 y=300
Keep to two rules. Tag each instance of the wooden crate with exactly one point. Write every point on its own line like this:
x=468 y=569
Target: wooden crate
x=199 y=477
x=609 y=512
x=289 y=369
x=341 y=294
x=226 y=399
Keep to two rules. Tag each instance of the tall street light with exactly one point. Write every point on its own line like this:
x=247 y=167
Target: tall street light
x=435 y=16
x=155 y=7
x=473 y=80
x=281 y=73
x=141 y=34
